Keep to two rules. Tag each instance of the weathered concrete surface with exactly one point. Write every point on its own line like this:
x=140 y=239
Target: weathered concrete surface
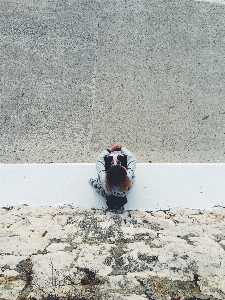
x=78 y=75
x=155 y=187
x=159 y=255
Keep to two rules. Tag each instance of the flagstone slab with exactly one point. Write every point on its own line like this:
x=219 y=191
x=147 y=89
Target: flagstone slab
x=134 y=253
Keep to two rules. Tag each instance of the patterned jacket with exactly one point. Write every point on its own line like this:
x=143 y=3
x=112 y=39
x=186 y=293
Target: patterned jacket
x=100 y=166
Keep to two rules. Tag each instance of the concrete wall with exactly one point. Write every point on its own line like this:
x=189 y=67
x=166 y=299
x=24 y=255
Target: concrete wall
x=156 y=186
x=78 y=75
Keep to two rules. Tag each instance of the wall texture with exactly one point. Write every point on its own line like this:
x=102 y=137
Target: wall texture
x=78 y=75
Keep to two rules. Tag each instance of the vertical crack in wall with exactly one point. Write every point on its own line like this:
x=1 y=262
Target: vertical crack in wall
x=94 y=75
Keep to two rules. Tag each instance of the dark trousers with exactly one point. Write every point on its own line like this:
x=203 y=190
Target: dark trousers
x=115 y=202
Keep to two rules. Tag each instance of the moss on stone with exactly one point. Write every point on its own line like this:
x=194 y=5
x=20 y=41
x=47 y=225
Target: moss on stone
x=24 y=268
x=116 y=253
x=162 y=287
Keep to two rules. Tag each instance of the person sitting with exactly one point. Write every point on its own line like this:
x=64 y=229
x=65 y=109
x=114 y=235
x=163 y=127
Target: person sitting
x=115 y=182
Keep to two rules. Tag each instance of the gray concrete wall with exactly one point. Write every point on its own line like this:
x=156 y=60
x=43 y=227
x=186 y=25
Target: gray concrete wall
x=79 y=75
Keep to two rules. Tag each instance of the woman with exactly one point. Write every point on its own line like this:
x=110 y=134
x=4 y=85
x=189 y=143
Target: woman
x=114 y=184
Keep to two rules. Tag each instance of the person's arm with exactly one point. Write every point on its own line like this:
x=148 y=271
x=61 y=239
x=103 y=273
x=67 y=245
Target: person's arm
x=100 y=167
x=131 y=162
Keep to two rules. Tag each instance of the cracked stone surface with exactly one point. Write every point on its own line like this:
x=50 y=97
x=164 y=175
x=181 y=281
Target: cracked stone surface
x=160 y=255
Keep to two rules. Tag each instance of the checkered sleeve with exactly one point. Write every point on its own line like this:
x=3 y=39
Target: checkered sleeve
x=100 y=167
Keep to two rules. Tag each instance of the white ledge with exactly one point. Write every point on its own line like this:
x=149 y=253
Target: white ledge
x=156 y=186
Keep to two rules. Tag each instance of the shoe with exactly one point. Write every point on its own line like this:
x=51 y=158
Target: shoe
x=94 y=182
x=91 y=180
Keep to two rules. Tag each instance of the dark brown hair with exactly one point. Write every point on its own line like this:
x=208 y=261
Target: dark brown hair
x=117 y=176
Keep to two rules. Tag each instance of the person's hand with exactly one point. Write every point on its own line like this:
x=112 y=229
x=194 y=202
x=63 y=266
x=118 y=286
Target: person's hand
x=116 y=146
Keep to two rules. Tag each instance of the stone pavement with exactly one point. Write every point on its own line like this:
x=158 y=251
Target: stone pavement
x=78 y=75
x=161 y=255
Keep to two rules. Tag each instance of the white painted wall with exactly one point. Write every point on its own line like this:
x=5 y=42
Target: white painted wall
x=156 y=186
